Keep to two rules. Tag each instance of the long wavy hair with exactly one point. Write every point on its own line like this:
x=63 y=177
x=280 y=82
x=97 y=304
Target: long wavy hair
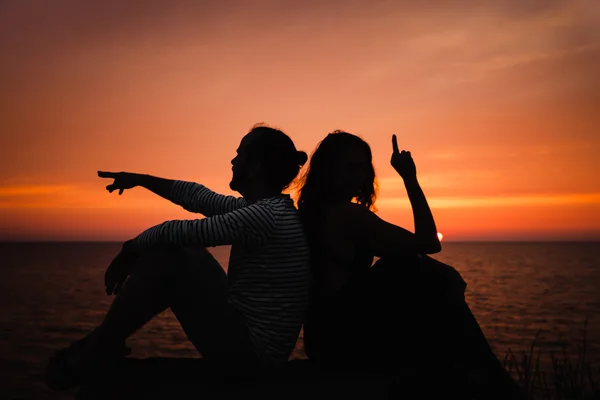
x=316 y=184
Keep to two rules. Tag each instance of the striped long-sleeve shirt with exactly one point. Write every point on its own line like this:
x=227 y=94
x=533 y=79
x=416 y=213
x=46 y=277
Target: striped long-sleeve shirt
x=268 y=273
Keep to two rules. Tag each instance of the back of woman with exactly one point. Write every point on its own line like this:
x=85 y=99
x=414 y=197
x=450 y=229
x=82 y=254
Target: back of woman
x=334 y=262
x=338 y=189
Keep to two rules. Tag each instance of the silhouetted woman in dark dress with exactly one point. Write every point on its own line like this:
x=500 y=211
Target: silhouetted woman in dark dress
x=405 y=311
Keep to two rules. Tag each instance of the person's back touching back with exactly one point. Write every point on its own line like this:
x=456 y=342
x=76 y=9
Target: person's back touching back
x=406 y=310
x=242 y=322
x=267 y=277
x=271 y=283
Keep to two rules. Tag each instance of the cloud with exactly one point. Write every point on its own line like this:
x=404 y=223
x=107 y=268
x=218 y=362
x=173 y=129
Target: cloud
x=488 y=152
x=33 y=190
x=41 y=22
x=72 y=197
x=388 y=43
x=449 y=179
x=499 y=201
x=40 y=196
x=491 y=51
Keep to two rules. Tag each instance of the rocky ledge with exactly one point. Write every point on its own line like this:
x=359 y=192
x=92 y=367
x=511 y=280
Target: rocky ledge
x=182 y=378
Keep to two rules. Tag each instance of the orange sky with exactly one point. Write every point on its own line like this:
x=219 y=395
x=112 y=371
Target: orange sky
x=499 y=104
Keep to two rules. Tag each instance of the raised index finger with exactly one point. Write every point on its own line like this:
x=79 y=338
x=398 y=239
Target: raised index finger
x=395 y=144
x=104 y=174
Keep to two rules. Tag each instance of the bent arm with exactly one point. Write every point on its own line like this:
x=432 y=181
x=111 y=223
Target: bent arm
x=191 y=196
x=380 y=237
x=250 y=225
x=425 y=229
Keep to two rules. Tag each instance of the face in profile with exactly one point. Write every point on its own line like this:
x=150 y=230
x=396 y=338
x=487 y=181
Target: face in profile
x=241 y=165
x=350 y=172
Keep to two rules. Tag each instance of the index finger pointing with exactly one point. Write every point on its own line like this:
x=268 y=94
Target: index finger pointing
x=104 y=174
x=395 y=144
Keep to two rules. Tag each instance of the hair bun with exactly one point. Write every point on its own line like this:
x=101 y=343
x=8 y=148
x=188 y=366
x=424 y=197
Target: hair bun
x=301 y=157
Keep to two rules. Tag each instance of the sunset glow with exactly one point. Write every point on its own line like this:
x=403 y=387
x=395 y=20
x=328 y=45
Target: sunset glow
x=498 y=104
x=440 y=236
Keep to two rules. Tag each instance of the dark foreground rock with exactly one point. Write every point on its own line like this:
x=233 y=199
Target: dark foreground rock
x=176 y=378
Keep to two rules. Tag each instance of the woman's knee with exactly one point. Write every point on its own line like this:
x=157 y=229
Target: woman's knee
x=172 y=258
x=199 y=265
x=171 y=253
x=185 y=264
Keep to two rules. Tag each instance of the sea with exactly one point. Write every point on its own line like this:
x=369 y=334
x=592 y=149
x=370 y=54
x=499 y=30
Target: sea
x=52 y=294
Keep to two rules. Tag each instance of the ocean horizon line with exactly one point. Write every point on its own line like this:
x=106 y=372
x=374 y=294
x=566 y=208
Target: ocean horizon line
x=457 y=241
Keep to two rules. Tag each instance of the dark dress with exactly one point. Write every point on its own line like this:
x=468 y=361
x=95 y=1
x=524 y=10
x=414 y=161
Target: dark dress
x=397 y=313
x=403 y=313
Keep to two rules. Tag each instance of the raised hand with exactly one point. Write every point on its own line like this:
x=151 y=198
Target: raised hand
x=402 y=161
x=122 y=180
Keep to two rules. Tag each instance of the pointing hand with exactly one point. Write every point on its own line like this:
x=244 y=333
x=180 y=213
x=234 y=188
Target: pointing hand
x=122 y=180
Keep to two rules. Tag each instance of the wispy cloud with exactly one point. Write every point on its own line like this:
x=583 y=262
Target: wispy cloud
x=499 y=201
x=32 y=190
x=447 y=179
x=499 y=151
x=72 y=196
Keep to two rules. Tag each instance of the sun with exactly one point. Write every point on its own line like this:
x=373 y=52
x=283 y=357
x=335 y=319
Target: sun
x=440 y=236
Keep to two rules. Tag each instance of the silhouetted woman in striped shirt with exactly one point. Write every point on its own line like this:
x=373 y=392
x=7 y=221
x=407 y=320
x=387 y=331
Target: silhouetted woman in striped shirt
x=246 y=319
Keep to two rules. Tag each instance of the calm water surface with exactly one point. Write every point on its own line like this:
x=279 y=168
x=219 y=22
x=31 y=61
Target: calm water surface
x=52 y=294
